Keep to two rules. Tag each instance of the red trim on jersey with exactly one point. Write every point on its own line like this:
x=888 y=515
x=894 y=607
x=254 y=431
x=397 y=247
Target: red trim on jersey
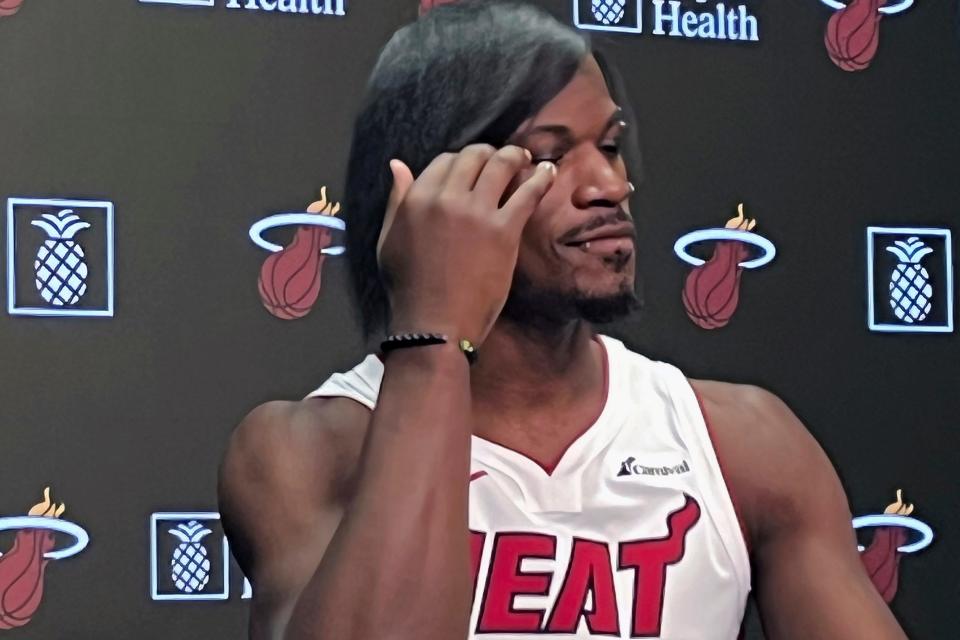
x=733 y=498
x=549 y=467
x=477 y=475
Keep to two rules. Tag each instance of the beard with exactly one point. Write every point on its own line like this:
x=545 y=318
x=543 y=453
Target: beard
x=534 y=305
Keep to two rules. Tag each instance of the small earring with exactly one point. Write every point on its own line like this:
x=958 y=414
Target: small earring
x=632 y=188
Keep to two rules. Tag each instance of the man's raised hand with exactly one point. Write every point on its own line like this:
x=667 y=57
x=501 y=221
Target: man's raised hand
x=447 y=248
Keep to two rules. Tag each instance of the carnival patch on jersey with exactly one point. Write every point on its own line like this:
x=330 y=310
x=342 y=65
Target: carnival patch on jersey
x=539 y=582
x=631 y=466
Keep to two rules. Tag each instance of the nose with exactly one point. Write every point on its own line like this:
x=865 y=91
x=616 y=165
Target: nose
x=600 y=182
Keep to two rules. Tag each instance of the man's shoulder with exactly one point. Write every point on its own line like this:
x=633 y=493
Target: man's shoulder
x=746 y=405
x=316 y=439
x=287 y=462
x=771 y=460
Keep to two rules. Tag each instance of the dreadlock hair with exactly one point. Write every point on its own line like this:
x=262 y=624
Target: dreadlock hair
x=463 y=73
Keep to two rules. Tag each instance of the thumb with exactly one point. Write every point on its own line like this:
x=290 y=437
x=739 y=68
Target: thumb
x=402 y=180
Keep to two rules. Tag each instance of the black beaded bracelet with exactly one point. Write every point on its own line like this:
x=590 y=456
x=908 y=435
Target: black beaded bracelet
x=403 y=340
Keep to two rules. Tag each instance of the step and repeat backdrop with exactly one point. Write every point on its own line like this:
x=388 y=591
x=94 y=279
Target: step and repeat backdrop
x=172 y=171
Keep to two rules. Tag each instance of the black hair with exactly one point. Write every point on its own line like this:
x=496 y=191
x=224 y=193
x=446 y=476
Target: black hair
x=463 y=73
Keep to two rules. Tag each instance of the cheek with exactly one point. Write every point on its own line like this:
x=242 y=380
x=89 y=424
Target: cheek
x=538 y=253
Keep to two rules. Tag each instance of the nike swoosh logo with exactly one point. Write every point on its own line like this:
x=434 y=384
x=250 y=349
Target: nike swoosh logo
x=476 y=475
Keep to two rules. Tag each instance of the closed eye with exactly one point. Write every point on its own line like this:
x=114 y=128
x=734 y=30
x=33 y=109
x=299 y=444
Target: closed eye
x=611 y=148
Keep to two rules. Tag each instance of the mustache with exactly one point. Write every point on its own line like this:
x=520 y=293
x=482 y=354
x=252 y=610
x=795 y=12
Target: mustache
x=618 y=216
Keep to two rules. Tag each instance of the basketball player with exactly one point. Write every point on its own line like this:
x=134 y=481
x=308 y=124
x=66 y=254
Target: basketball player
x=562 y=485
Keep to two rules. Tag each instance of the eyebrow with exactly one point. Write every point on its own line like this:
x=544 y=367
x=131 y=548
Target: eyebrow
x=563 y=131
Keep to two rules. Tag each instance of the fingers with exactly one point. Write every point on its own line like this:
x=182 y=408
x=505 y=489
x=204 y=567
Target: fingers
x=402 y=180
x=525 y=199
x=478 y=169
x=499 y=170
x=467 y=166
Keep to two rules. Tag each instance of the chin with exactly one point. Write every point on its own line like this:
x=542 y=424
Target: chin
x=604 y=285
x=605 y=308
x=600 y=298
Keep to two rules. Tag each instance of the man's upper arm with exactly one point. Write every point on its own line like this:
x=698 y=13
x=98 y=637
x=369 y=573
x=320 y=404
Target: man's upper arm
x=810 y=580
x=279 y=507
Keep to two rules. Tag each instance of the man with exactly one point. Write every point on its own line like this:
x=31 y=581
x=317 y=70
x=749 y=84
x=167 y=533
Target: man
x=563 y=484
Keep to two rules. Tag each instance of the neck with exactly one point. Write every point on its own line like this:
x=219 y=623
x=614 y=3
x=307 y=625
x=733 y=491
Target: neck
x=525 y=371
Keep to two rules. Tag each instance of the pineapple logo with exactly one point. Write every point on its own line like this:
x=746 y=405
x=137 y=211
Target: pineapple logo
x=61 y=272
x=59 y=257
x=189 y=556
x=190 y=564
x=622 y=16
x=910 y=290
x=909 y=279
x=607 y=12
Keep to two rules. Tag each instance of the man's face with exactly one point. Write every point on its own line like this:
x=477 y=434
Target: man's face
x=555 y=280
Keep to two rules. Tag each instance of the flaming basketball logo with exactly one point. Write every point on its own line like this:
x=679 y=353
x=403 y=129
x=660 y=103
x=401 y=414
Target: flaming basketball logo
x=712 y=289
x=22 y=567
x=853 y=32
x=289 y=280
x=882 y=557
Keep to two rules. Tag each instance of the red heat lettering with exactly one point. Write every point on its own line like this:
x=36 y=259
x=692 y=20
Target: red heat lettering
x=590 y=570
x=477 y=539
x=505 y=581
x=650 y=559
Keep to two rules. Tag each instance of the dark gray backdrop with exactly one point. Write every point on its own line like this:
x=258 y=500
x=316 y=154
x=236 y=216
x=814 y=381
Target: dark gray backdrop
x=196 y=122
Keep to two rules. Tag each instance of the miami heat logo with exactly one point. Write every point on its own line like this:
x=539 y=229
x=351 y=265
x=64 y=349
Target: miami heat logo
x=712 y=289
x=889 y=545
x=290 y=278
x=23 y=566
x=853 y=32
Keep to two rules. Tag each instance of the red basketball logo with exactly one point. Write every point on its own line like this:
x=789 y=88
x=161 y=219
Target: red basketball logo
x=23 y=566
x=882 y=557
x=711 y=291
x=289 y=280
x=853 y=34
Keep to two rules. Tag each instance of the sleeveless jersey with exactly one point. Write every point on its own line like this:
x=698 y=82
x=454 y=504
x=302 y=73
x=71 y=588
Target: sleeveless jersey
x=631 y=534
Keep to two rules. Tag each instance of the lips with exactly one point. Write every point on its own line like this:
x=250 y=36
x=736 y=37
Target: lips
x=605 y=240
x=604 y=246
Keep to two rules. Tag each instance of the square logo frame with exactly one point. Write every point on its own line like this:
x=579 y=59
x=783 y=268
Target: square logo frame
x=947 y=291
x=12 y=307
x=582 y=23
x=155 y=594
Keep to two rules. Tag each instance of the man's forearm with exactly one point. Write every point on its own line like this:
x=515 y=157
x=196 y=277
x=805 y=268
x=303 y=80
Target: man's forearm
x=398 y=565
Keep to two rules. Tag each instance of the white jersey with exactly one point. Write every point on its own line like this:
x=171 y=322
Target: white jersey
x=631 y=534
